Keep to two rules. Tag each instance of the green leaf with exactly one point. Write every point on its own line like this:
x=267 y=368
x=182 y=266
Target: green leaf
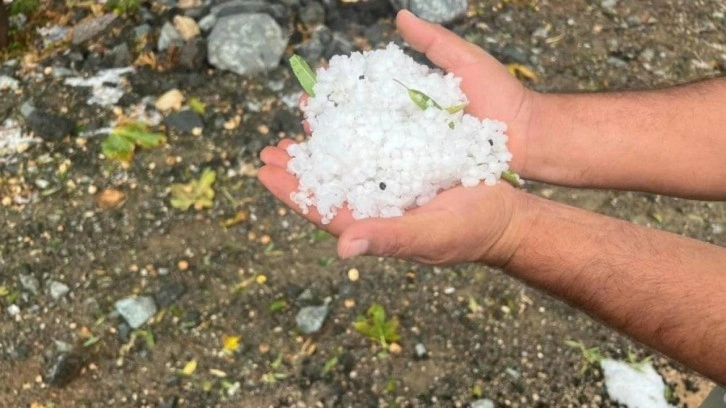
x=198 y=193
x=512 y=178
x=277 y=305
x=456 y=108
x=376 y=327
x=197 y=105
x=116 y=147
x=330 y=364
x=304 y=74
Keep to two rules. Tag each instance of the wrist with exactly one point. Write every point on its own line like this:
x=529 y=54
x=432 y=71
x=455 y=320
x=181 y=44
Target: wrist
x=525 y=211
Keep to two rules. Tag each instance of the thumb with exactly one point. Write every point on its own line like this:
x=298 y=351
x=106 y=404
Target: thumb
x=410 y=237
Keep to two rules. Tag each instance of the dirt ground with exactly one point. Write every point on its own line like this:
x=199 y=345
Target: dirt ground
x=486 y=335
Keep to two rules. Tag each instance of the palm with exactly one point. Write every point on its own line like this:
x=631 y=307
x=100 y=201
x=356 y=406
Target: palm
x=492 y=93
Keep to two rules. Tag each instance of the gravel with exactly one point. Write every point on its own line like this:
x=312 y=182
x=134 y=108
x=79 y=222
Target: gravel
x=136 y=310
x=311 y=318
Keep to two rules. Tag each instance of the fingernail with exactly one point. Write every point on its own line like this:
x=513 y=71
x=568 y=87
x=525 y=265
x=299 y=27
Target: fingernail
x=355 y=248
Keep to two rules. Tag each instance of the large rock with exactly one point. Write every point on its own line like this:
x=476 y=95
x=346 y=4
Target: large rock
x=136 y=310
x=435 y=11
x=246 y=43
x=91 y=28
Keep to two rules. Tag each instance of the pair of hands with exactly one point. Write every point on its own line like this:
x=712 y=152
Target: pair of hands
x=480 y=224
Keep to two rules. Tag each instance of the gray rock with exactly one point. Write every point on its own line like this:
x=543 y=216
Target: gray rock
x=482 y=403
x=310 y=319
x=435 y=11
x=42 y=183
x=49 y=126
x=29 y=283
x=58 y=289
x=63 y=369
x=62 y=72
x=207 y=22
x=420 y=350
x=168 y=36
x=168 y=294
x=7 y=82
x=235 y=7
x=314 y=48
x=246 y=44
x=141 y=30
x=136 y=310
x=184 y=121
x=13 y=310
x=609 y=3
x=89 y=29
x=121 y=55
x=193 y=55
x=313 y=14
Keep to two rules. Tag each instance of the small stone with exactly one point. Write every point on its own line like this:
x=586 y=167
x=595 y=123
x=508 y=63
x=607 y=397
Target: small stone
x=58 y=289
x=482 y=403
x=420 y=351
x=207 y=22
x=184 y=121
x=306 y=295
x=186 y=27
x=182 y=265
x=353 y=274
x=171 y=100
x=91 y=28
x=49 y=126
x=609 y=3
x=187 y=4
x=110 y=199
x=435 y=11
x=136 y=310
x=168 y=294
x=168 y=36
x=449 y=291
x=8 y=83
x=64 y=368
x=313 y=14
x=395 y=348
x=29 y=283
x=13 y=310
x=141 y=31
x=246 y=44
x=717 y=229
x=310 y=319
x=42 y=183
x=121 y=55
x=193 y=55
x=27 y=108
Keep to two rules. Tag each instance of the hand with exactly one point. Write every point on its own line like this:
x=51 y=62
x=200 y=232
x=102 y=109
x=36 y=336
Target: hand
x=459 y=225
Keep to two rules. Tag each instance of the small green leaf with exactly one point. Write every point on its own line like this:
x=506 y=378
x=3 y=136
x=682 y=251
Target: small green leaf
x=198 y=193
x=197 y=105
x=304 y=74
x=512 y=178
x=330 y=364
x=376 y=327
x=277 y=305
x=116 y=147
x=91 y=341
x=456 y=108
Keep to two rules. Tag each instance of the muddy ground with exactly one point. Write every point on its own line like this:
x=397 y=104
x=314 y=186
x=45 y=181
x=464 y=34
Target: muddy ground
x=486 y=335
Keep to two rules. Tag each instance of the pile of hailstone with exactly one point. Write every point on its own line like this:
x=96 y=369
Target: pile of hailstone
x=388 y=134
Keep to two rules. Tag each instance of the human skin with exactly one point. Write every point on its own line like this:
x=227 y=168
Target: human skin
x=661 y=289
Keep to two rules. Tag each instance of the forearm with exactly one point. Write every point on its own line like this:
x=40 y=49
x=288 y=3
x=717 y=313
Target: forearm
x=669 y=141
x=664 y=290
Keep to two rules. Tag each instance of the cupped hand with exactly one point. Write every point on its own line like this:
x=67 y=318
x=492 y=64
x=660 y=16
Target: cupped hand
x=461 y=224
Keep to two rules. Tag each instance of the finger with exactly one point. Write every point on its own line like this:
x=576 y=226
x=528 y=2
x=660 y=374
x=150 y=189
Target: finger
x=303 y=100
x=281 y=184
x=409 y=237
x=285 y=143
x=306 y=127
x=444 y=48
x=274 y=156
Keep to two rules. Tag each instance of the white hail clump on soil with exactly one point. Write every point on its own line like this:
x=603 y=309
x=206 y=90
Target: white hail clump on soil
x=376 y=149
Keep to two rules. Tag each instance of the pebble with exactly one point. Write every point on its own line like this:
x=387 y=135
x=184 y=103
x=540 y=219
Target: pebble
x=30 y=284
x=310 y=318
x=141 y=31
x=58 y=289
x=435 y=11
x=246 y=44
x=353 y=274
x=207 y=22
x=184 y=121
x=186 y=27
x=482 y=403
x=63 y=369
x=91 y=28
x=8 y=83
x=13 y=310
x=136 y=310
x=609 y=3
x=171 y=100
x=420 y=350
x=168 y=294
x=313 y=14
x=49 y=126
x=168 y=36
